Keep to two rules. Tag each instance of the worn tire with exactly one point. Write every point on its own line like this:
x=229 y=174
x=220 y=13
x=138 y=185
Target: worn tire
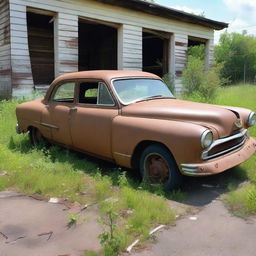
x=36 y=137
x=157 y=166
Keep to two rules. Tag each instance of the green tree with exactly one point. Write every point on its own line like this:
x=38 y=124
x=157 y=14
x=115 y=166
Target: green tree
x=237 y=53
x=199 y=83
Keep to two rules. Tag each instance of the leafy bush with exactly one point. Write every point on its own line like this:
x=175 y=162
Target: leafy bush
x=198 y=82
x=193 y=75
x=197 y=51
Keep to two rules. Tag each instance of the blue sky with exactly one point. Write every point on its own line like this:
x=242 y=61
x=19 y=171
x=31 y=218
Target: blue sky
x=240 y=14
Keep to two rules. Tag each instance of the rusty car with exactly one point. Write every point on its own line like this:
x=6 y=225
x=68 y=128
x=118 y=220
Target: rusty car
x=132 y=119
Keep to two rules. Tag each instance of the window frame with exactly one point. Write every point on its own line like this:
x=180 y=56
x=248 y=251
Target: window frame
x=130 y=78
x=57 y=86
x=114 y=105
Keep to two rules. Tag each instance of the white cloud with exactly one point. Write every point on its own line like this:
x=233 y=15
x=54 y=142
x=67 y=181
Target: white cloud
x=242 y=8
x=187 y=9
x=245 y=17
x=237 y=25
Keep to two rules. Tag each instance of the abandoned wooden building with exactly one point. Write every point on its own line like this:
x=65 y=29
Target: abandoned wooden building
x=40 y=40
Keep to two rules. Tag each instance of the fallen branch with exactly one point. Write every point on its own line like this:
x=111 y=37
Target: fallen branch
x=5 y=236
x=20 y=237
x=45 y=234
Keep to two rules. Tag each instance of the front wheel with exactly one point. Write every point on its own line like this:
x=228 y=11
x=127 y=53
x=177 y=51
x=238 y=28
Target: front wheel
x=36 y=137
x=157 y=166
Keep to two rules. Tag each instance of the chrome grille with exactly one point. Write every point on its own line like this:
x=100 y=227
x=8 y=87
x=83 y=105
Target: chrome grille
x=224 y=145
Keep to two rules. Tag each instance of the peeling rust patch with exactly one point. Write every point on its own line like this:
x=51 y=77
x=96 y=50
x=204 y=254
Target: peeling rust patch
x=5 y=72
x=69 y=63
x=17 y=76
x=181 y=44
x=72 y=42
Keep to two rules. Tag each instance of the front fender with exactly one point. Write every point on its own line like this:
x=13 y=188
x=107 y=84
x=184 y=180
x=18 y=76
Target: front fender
x=181 y=138
x=243 y=113
x=29 y=114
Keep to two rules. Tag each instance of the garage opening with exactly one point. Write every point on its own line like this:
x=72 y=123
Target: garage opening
x=155 y=52
x=97 y=46
x=199 y=45
x=193 y=41
x=41 y=48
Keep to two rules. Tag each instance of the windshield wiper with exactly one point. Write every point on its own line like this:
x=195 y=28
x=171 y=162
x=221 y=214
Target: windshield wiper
x=152 y=97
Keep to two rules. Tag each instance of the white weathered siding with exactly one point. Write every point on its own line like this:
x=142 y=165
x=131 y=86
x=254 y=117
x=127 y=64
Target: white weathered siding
x=131 y=24
x=22 y=80
x=179 y=50
x=209 y=57
x=65 y=43
x=130 y=47
x=5 y=50
x=96 y=10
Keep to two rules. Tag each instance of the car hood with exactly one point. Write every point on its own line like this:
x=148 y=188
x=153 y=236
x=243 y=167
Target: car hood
x=221 y=120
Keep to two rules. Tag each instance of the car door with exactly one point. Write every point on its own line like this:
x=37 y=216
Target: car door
x=57 y=113
x=91 y=122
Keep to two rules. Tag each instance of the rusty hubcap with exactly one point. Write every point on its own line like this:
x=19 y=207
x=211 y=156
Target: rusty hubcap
x=157 y=169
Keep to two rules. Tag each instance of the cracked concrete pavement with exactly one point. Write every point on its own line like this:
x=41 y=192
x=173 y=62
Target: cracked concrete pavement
x=37 y=228
x=213 y=231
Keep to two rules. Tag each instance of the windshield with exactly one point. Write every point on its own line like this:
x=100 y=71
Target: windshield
x=138 y=89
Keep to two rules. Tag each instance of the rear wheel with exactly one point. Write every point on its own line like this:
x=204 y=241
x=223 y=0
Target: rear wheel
x=157 y=166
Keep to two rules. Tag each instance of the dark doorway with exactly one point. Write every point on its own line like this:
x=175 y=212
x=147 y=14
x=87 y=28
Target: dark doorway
x=194 y=41
x=41 y=47
x=155 y=53
x=97 y=46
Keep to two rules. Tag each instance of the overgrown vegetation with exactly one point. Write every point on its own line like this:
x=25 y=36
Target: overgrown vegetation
x=236 y=52
x=131 y=207
x=198 y=82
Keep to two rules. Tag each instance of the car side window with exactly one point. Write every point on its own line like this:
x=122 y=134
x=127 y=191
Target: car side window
x=95 y=93
x=65 y=92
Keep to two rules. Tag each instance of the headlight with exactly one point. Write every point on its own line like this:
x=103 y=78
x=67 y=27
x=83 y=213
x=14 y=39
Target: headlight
x=251 y=119
x=206 y=139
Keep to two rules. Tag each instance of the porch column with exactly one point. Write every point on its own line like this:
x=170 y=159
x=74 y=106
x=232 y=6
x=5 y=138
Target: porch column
x=21 y=74
x=65 y=43
x=5 y=51
x=129 y=47
x=178 y=58
x=209 y=53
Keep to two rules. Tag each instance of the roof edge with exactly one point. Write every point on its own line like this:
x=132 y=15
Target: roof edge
x=167 y=12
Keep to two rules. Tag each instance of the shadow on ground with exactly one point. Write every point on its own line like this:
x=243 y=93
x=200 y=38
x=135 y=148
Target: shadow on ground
x=201 y=191
x=198 y=191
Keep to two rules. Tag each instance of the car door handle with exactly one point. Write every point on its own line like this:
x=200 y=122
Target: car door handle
x=73 y=109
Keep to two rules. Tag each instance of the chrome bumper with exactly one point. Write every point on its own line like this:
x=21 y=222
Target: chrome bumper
x=221 y=163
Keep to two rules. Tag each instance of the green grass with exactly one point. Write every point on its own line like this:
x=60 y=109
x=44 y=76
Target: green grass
x=56 y=172
x=242 y=200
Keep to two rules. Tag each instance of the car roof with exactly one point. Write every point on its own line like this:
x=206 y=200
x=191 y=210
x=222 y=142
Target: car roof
x=106 y=75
